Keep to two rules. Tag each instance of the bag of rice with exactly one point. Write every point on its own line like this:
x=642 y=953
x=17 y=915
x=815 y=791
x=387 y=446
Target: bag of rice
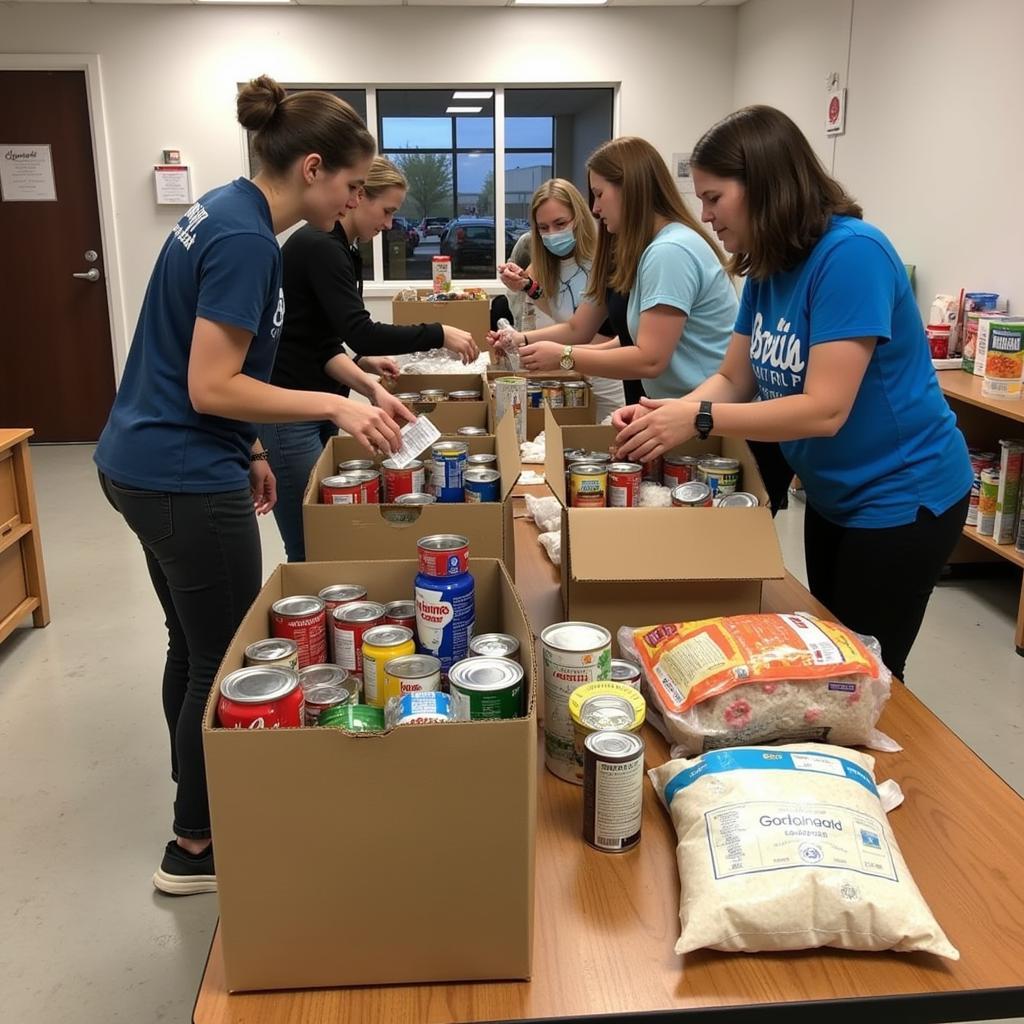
x=743 y=679
x=789 y=848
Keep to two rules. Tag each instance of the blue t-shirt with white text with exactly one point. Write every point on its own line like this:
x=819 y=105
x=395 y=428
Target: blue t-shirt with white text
x=221 y=262
x=900 y=448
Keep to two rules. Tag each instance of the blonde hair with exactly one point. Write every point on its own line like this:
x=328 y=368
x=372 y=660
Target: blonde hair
x=547 y=266
x=647 y=191
x=382 y=175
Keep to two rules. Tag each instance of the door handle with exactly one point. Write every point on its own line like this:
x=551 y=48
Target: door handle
x=89 y=275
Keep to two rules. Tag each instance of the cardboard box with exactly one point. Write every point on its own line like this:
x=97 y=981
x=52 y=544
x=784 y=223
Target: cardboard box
x=473 y=315
x=449 y=416
x=575 y=416
x=341 y=532
x=347 y=859
x=642 y=566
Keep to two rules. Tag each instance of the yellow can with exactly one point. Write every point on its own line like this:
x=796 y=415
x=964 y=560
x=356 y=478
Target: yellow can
x=382 y=644
x=602 y=706
x=588 y=485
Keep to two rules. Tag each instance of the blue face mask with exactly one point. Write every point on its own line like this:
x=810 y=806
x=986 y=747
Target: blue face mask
x=560 y=243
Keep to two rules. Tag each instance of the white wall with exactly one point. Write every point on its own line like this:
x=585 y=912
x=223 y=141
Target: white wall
x=169 y=76
x=934 y=137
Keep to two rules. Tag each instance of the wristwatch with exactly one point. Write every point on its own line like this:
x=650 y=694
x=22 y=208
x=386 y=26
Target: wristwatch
x=567 y=362
x=703 y=422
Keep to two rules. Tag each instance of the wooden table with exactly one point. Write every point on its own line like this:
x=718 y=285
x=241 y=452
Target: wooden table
x=984 y=422
x=606 y=924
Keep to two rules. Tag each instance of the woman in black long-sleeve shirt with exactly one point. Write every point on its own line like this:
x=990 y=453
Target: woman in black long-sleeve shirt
x=324 y=312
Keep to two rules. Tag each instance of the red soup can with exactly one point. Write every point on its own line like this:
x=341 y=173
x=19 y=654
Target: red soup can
x=443 y=554
x=304 y=620
x=652 y=470
x=343 y=489
x=261 y=698
x=350 y=622
x=337 y=596
x=401 y=613
x=624 y=484
x=402 y=481
x=679 y=469
x=369 y=483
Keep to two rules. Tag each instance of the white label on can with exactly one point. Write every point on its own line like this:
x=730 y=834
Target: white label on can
x=564 y=671
x=460 y=705
x=432 y=615
x=618 y=497
x=370 y=680
x=345 y=648
x=618 y=802
x=343 y=499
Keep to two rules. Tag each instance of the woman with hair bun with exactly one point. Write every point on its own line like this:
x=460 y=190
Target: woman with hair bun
x=179 y=458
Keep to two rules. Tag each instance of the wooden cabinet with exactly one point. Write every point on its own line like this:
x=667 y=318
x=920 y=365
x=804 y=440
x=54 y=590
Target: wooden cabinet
x=22 y=579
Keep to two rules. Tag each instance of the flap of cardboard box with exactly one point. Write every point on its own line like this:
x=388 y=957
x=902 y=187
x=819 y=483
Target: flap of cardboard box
x=506 y=447
x=726 y=544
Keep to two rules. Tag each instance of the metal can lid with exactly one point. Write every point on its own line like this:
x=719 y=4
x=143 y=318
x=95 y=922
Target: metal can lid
x=273 y=649
x=354 y=717
x=738 y=499
x=615 y=746
x=552 y=384
x=298 y=606
x=484 y=459
x=719 y=463
x=354 y=464
x=623 y=671
x=494 y=645
x=258 y=684
x=468 y=393
x=400 y=609
x=329 y=694
x=576 y=636
x=408 y=396
x=387 y=636
x=472 y=431
x=341 y=480
x=390 y=464
x=574 y=384
x=443 y=542
x=433 y=392
x=322 y=675
x=682 y=460
x=482 y=476
x=363 y=476
x=606 y=711
x=531 y=386
x=692 y=493
x=415 y=499
x=588 y=468
x=451 y=449
x=631 y=707
x=359 y=611
x=574 y=454
x=625 y=467
x=413 y=666
x=484 y=675
x=343 y=592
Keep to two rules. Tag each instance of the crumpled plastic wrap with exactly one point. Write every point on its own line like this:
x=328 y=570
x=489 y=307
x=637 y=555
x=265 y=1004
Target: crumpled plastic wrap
x=440 y=360
x=527 y=476
x=552 y=544
x=545 y=512
x=533 y=452
x=653 y=495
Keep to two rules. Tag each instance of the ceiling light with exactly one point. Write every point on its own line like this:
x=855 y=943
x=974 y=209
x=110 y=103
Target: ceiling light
x=559 y=3
x=465 y=94
x=464 y=110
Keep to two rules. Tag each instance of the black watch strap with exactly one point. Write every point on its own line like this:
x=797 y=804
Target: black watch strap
x=704 y=422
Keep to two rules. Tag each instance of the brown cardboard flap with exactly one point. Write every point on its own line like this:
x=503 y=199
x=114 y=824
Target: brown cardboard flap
x=554 y=463
x=724 y=544
x=506 y=447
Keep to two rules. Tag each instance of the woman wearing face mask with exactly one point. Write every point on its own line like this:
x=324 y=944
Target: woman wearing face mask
x=179 y=458
x=679 y=305
x=562 y=239
x=830 y=339
x=324 y=312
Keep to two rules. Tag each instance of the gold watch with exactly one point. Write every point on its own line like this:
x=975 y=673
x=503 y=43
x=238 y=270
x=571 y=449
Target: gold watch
x=567 y=362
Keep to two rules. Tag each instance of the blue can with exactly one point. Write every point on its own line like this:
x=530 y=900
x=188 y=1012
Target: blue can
x=445 y=616
x=449 y=470
x=483 y=485
x=420 y=708
x=534 y=396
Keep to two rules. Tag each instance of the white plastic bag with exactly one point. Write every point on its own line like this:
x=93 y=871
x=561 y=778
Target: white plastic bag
x=545 y=512
x=552 y=544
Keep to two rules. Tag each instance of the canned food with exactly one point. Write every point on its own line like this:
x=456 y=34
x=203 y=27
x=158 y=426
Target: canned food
x=624 y=484
x=449 y=467
x=979 y=461
x=353 y=718
x=678 y=469
x=553 y=393
x=575 y=455
x=408 y=398
x=411 y=673
x=304 y=620
x=323 y=687
x=576 y=394
x=485 y=460
x=738 y=499
x=603 y=706
x=445 y=616
x=409 y=479
x=351 y=622
x=344 y=489
x=494 y=645
x=415 y=499
x=625 y=672
x=260 y=698
x=339 y=594
x=601 y=458
x=472 y=431
x=484 y=688
x=355 y=466
x=692 y=495
x=613 y=790
x=433 y=395
x=653 y=470
x=464 y=396
x=574 y=653
x=277 y=652
x=369 y=482
x=482 y=485
x=588 y=485
x=419 y=708
x=988 y=497
x=400 y=613
x=721 y=475
x=443 y=554
x=381 y=644
x=534 y=396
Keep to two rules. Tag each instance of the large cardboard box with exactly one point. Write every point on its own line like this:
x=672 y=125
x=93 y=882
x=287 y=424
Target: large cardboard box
x=341 y=532
x=348 y=859
x=575 y=416
x=449 y=416
x=641 y=566
x=473 y=315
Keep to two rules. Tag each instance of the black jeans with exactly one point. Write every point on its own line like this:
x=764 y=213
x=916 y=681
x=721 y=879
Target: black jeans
x=203 y=555
x=878 y=582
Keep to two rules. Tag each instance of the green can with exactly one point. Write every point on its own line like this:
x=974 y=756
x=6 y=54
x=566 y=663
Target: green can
x=353 y=717
x=484 y=688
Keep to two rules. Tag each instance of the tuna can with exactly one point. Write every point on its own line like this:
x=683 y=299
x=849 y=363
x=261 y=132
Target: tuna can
x=304 y=620
x=260 y=698
x=553 y=393
x=574 y=653
x=355 y=466
x=494 y=645
x=534 y=396
x=624 y=671
x=445 y=616
x=277 y=652
x=738 y=499
x=603 y=707
x=353 y=718
x=423 y=707
x=678 y=469
x=482 y=485
x=449 y=467
x=588 y=485
x=624 y=480
x=486 y=688
x=979 y=461
x=613 y=790
x=323 y=687
x=433 y=395
x=464 y=396
x=382 y=644
x=485 y=460
x=721 y=475
x=653 y=470
x=692 y=495
x=472 y=431
x=351 y=622
x=443 y=554
x=408 y=398
x=575 y=394
x=411 y=673
x=400 y=613
x=987 y=499
x=344 y=489
x=409 y=480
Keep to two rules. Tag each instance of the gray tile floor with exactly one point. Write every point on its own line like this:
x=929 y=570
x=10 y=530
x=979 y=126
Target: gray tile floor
x=84 y=780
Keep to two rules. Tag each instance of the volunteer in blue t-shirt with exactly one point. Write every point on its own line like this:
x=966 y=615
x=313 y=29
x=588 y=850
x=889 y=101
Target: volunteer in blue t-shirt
x=830 y=338
x=179 y=458
x=681 y=304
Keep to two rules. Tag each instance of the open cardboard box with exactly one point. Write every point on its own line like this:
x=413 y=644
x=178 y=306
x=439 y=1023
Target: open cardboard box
x=449 y=416
x=575 y=416
x=367 y=859
x=643 y=566
x=340 y=532
x=473 y=315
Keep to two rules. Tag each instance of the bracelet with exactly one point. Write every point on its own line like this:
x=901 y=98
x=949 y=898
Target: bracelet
x=259 y=456
x=534 y=291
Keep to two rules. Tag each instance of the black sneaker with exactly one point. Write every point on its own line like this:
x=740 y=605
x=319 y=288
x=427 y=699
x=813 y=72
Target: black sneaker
x=184 y=874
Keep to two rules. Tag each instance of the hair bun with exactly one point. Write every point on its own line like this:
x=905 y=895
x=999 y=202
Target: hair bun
x=258 y=102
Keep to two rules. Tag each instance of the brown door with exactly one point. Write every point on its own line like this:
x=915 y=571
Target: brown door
x=56 y=364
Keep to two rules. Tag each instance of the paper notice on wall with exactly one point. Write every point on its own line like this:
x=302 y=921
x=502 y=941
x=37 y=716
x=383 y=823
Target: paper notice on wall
x=173 y=185
x=26 y=174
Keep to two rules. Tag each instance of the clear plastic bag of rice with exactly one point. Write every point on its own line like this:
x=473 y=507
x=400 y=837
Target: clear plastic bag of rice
x=742 y=679
x=790 y=848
